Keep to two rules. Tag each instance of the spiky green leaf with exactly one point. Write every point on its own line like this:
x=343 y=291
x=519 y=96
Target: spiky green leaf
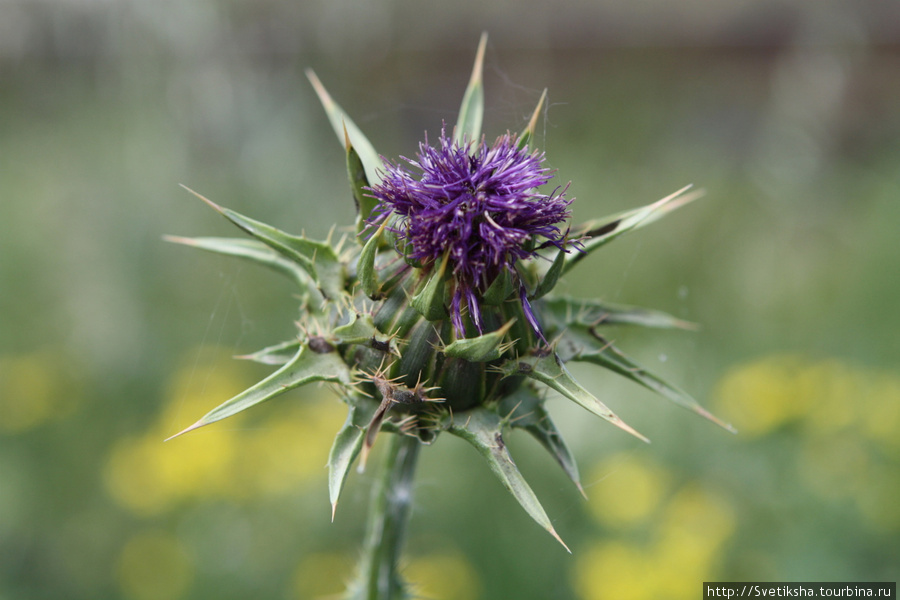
x=548 y=281
x=500 y=289
x=483 y=430
x=528 y=134
x=256 y=252
x=525 y=410
x=429 y=300
x=483 y=348
x=356 y=172
x=462 y=383
x=549 y=370
x=562 y=312
x=347 y=445
x=278 y=354
x=306 y=366
x=340 y=122
x=317 y=258
x=365 y=266
x=471 y=111
x=608 y=356
x=361 y=330
x=603 y=231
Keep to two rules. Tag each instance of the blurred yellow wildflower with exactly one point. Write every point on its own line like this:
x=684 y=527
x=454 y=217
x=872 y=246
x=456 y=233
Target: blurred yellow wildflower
x=321 y=575
x=848 y=419
x=148 y=476
x=828 y=396
x=615 y=571
x=447 y=575
x=833 y=391
x=33 y=390
x=879 y=502
x=628 y=489
x=694 y=526
x=835 y=467
x=880 y=417
x=154 y=566
x=763 y=395
x=690 y=533
x=289 y=449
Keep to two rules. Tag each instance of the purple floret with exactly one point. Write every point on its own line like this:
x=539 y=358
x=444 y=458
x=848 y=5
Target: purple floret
x=478 y=204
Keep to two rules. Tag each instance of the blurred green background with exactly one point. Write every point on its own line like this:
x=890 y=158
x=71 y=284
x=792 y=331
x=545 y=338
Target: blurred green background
x=786 y=113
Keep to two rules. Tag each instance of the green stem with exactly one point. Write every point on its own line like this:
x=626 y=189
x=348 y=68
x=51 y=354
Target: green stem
x=386 y=529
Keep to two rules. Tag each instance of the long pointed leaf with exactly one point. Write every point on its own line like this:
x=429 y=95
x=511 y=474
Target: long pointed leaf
x=317 y=258
x=471 y=112
x=365 y=266
x=482 y=429
x=347 y=444
x=564 y=312
x=307 y=366
x=550 y=371
x=279 y=354
x=610 y=357
x=500 y=289
x=356 y=172
x=429 y=300
x=340 y=122
x=525 y=410
x=603 y=231
x=528 y=134
x=253 y=251
x=548 y=281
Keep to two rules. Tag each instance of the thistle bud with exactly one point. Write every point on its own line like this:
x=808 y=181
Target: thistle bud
x=440 y=318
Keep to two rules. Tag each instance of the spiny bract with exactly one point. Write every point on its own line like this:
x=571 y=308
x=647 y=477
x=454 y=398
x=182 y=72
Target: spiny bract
x=438 y=318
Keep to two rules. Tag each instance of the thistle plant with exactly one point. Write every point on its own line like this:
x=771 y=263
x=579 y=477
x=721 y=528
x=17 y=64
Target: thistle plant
x=438 y=315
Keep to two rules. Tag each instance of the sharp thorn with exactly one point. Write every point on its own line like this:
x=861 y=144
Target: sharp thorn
x=177 y=239
x=581 y=489
x=559 y=539
x=479 y=58
x=628 y=428
x=363 y=458
x=196 y=425
x=212 y=204
x=708 y=415
x=347 y=144
x=324 y=96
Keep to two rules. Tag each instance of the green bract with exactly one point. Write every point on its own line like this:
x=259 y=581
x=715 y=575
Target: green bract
x=378 y=328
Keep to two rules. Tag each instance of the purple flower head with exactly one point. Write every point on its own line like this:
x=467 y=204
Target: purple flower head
x=476 y=204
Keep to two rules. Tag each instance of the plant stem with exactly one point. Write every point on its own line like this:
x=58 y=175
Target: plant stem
x=386 y=528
